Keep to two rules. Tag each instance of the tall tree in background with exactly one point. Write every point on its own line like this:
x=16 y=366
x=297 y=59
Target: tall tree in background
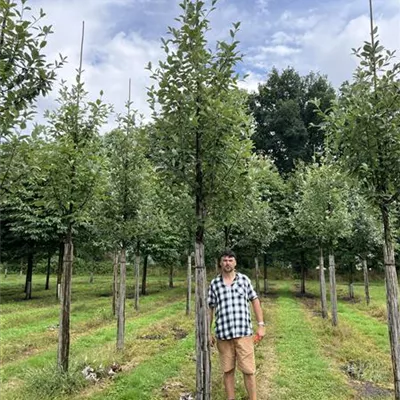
x=363 y=129
x=201 y=133
x=283 y=115
x=322 y=212
x=27 y=225
x=128 y=191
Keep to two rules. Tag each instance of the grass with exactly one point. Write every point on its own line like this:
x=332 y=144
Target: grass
x=348 y=347
x=302 y=356
x=303 y=372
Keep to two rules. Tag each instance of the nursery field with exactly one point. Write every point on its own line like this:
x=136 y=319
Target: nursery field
x=301 y=357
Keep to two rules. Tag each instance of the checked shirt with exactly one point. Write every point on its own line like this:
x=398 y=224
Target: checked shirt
x=231 y=304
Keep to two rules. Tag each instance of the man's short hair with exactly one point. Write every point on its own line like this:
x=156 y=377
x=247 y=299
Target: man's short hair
x=227 y=253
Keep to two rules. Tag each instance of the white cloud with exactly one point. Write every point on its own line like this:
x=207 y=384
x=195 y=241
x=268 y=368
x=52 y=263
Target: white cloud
x=251 y=82
x=122 y=37
x=111 y=56
x=292 y=21
x=281 y=37
x=321 y=39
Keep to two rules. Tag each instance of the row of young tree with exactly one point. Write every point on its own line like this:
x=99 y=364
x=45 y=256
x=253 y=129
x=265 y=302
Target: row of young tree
x=272 y=172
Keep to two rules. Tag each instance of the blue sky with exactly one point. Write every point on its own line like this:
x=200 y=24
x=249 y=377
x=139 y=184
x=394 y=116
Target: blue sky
x=122 y=36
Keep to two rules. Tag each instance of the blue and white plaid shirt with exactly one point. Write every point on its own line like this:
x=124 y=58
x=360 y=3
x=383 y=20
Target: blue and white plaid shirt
x=231 y=305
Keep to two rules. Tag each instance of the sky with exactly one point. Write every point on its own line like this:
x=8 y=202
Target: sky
x=122 y=36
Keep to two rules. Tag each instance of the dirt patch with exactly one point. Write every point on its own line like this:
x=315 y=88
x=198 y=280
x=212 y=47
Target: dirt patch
x=176 y=390
x=305 y=295
x=271 y=295
x=152 y=337
x=367 y=390
x=348 y=299
x=179 y=333
x=311 y=303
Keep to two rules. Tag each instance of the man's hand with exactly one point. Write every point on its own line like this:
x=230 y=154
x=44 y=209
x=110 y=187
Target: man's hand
x=260 y=334
x=211 y=340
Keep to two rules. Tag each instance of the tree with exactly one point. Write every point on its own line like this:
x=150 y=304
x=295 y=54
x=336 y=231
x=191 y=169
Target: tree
x=130 y=178
x=283 y=114
x=257 y=223
x=74 y=169
x=363 y=129
x=201 y=131
x=28 y=226
x=366 y=234
x=322 y=212
x=24 y=75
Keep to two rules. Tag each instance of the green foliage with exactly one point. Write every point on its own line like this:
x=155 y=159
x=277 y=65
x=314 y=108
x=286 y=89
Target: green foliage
x=259 y=222
x=24 y=71
x=284 y=116
x=362 y=125
x=322 y=210
x=72 y=161
x=129 y=211
x=366 y=230
x=26 y=221
x=200 y=117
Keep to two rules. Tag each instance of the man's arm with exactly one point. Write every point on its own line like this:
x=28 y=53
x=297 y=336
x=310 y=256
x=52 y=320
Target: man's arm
x=259 y=317
x=211 y=318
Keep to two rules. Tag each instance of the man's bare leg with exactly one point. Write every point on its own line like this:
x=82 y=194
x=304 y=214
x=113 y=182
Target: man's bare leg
x=229 y=382
x=250 y=384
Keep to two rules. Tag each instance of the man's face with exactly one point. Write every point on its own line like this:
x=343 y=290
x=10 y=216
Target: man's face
x=228 y=264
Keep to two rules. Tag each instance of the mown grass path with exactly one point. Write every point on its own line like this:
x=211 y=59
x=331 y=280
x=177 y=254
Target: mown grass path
x=359 y=345
x=302 y=372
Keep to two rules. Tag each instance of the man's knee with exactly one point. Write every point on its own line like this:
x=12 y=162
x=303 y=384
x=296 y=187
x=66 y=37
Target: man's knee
x=230 y=372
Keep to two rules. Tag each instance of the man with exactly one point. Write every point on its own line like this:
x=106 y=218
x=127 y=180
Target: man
x=228 y=296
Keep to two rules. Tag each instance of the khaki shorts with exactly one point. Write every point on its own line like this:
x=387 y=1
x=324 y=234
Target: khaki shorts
x=240 y=350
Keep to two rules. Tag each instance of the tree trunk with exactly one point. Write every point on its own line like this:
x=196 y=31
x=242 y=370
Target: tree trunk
x=171 y=276
x=137 y=277
x=322 y=285
x=144 y=277
x=115 y=285
x=227 y=230
x=91 y=277
x=28 y=284
x=121 y=301
x=5 y=273
x=203 y=370
x=203 y=362
x=65 y=310
x=265 y=275
x=216 y=263
x=332 y=284
x=48 y=271
x=392 y=299
x=351 y=283
x=189 y=284
x=60 y=269
x=257 y=273
x=366 y=280
x=303 y=274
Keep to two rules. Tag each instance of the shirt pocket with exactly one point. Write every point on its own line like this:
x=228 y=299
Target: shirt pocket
x=241 y=291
